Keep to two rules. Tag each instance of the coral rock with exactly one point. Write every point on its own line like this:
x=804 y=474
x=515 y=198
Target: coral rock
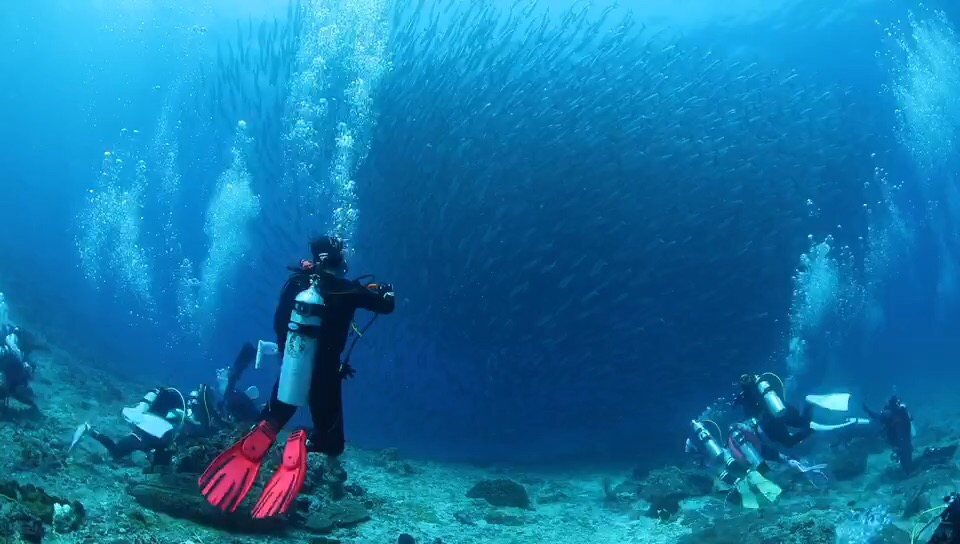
x=501 y=492
x=338 y=515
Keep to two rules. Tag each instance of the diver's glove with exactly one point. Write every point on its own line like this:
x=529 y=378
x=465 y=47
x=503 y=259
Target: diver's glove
x=347 y=371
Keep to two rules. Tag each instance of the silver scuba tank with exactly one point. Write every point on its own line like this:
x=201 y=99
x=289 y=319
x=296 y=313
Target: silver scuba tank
x=771 y=399
x=145 y=403
x=750 y=453
x=296 y=371
x=720 y=459
x=713 y=449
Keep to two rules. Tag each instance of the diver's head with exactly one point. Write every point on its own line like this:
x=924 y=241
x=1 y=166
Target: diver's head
x=328 y=253
x=747 y=381
x=894 y=402
x=198 y=405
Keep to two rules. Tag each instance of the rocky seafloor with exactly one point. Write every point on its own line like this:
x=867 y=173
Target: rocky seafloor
x=379 y=497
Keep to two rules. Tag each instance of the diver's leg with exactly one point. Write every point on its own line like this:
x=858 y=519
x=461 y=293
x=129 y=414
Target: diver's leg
x=326 y=408
x=4 y=387
x=791 y=440
x=120 y=449
x=905 y=457
x=277 y=412
x=25 y=395
x=246 y=355
x=794 y=418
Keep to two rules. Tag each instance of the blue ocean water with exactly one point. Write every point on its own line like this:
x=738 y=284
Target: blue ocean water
x=596 y=217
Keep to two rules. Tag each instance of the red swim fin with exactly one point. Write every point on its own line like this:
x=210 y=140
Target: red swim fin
x=230 y=476
x=283 y=488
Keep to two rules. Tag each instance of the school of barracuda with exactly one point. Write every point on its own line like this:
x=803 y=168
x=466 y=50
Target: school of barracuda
x=566 y=192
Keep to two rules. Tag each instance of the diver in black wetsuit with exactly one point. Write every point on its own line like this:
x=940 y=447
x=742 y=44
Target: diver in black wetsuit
x=948 y=532
x=15 y=371
x=762 y=403
x=897 y=426
x=342 y=298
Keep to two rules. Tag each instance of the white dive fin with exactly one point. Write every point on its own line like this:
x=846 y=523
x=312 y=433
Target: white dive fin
x=839 y=402
x=78 y=434
x=252 y=392
x=265 y=350
x=154 y=425
x=850 y=421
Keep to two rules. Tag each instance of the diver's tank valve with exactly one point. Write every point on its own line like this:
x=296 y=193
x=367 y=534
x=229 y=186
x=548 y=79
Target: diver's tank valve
x=774 y=403
x=303 y=329
x=750 y=453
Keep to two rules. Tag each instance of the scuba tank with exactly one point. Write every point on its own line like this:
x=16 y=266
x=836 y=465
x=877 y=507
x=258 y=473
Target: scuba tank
x=141 y=407
x=296 y=370
x=139 y=416
x=750 y=453
x=715 y=453
x=713 y=449
x=771 y=399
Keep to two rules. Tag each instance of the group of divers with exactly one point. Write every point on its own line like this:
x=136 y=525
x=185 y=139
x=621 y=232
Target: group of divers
x=314 y=320
x=771 y=428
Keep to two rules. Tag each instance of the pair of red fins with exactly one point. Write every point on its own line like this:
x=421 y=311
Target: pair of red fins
x=232 y=474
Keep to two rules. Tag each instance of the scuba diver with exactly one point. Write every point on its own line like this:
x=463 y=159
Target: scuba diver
x=312 y=321
x=157 y=421
x=948 y=532
x=15 y=371
x=897 y=424
x=763 y=402
x=898 y=429
x=238 y=406
x=737 y=471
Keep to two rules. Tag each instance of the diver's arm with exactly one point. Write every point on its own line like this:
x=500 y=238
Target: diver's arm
x=871 y=414
x=378 y=300
x=246 y=355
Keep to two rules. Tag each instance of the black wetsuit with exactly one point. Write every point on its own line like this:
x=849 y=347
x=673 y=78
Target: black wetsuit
x=342 y=298
x=898 y=429
x=15 y=373
x=948 y=532
x=777 y=428
x=236 y=405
